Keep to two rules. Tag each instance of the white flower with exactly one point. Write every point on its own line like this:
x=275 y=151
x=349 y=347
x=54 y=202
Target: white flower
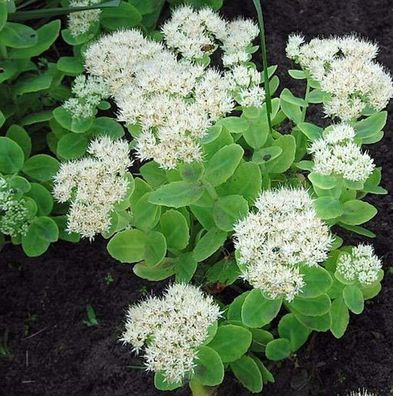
x=114 y=56
x=14 y=214
x=171 y=329
x=252 y=97
x=192 y=33
x=361 y=265
x=284 y=232
x=346 y=71
x=94 y=185
x=238 y=39
x=362 y=392
x=80 y=22
x=337 y=153
x=88 y=91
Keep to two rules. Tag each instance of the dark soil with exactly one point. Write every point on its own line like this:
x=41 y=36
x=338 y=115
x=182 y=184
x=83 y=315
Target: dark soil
x=43 y=301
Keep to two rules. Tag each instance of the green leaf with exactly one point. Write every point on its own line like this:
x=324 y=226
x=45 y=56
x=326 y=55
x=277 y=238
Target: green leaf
x=266 y=154
x=328 y=207
x=223 y=164
x=247 y=372
x=162 y=384
x=41 y=167
x=76 y=125
x=284 y=161
x=123 y=16
x=3 y=13
x=317 y=323
x=231 y=342
x=106 y=126
x=36 y=118
x=33 y=84
x=46 y=36
x=177 y=194
x=257 y=310
x=141 y=188
x=21 y=137
x=325 y=182
x=371 y=125
x=317 y=281
x=340 y=317
x=70 y=65
x=278 y=349
x=146 y=214
x=212 y=134
x=234 y=124
x=72 y=146
x=209 y=244
x=371 y=291
x=294 y=331
x=11 y=156
x=260 y=338
x=246 y=181
x=20 y=184
x=191 y=172
x=353 y=298
x=16 y=35
x=153 y=174
x=41 y=232
x=316 y=306
x=224 y=272
x=228 y=210
x=287 y=96
x=297 y=74
x=292 y=111
x=312 y=131
x=235 y=308
x=128 y=246
x=159 y=272
x=42 y=198
x=358 y=230
x=257 y=132
x=61 y=222
x=357 y=212
x=175 y=228
x=185 y=267
x=155 y=248
x=209 y=369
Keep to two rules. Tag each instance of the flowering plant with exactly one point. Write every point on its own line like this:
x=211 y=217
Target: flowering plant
x=226 y=183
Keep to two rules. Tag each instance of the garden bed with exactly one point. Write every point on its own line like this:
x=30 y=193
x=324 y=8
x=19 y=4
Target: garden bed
x=43 y=300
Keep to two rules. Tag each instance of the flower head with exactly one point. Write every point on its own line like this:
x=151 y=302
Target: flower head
x=193 y=33
x=80 y=22
x=88 y=91
x=14 y=214
x=362 y=392
x=171 y=329
x=284 y=232
x=336 y=153
x=360 y=265
x=94 y=185
x=347 y=72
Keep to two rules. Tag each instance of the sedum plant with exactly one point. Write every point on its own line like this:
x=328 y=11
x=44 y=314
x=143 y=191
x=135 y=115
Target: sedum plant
x=222 y=183
x=227 y=188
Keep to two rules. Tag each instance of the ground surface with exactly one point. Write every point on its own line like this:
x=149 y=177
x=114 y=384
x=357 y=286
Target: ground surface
x=43 y=301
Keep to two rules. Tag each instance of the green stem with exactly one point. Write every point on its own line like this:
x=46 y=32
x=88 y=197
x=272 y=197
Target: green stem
x=257 y=5
x=304 y=110
x=198 y=389
x=210 y=190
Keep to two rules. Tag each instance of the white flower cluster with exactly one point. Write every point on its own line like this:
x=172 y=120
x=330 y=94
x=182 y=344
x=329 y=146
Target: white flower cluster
x=173 y=100
x=171 y=329
x=337 y=153
x=346 y=70
x=88 y=91
x=80 y=22
x=193 y=33
x=361 y=265
x=13 y=211
x=94 y=185
x=284 y=232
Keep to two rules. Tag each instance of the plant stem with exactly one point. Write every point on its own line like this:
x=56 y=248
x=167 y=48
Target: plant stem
x=257 y=5
x=3 y=51
x=304 y=110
